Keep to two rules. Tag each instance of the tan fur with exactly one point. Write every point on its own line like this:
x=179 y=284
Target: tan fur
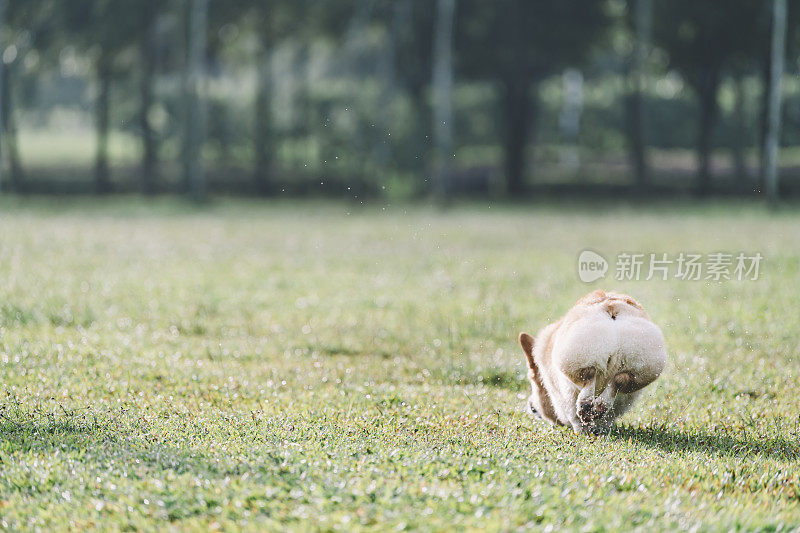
x=589 y=367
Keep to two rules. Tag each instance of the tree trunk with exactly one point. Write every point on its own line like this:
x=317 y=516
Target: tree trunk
x=102 y=184
x=15 y=177
x=262 y=138
x=634 y=108
x=148 y=58
x=778 y=51
x=707 y=91
x=387 y=73
x=738 y=141
x=194 y=120
x=422 y=118
x=303 y=111
x=417 y=80
x=443 y=97
x=518 y=111
x=2 y=90
x=766 y=76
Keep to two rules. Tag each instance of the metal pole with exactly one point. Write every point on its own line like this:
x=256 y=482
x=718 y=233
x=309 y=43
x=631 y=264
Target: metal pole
x=2 y=70
x=774 y=124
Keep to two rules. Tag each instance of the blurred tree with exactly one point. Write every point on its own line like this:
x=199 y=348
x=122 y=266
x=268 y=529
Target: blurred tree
x=263 y=145
x=414 y=38
x=414 y=43
x=396 y=18
x=325 y=25
x=530 y=40
x=343 y=103
x=29 y=28
x=274 y=23
x=148 y=53
x=756 y=57
x=2 y=50
x=640 y=18
x=249 y=18
x=443 y=96
x=194 y=118
x=739 y=126
x=702 y=39
x=104 y=28
x=2 y=87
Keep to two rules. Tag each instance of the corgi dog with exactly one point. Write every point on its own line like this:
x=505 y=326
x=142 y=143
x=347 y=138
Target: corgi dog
x=590 y=367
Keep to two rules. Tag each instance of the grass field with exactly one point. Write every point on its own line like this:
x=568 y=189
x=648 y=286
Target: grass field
x=321 y=367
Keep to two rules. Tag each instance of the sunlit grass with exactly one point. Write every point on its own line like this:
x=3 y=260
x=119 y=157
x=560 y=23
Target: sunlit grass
x=318 y=366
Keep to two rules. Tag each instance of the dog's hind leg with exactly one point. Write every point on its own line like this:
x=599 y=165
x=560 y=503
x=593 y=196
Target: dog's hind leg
x=585 y=400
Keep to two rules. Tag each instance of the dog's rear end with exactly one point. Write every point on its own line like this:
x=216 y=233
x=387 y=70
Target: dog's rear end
x=589 y=367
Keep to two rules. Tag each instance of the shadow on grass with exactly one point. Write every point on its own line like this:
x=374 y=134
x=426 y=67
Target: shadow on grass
x=127 y=452
x=721 y=443
x=41 y=430
x=111 y=437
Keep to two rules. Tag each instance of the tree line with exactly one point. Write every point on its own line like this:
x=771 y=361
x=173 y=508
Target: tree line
x=411 y=59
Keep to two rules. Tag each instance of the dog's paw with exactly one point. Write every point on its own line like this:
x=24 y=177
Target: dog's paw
x=586 y=413
x=591 y=413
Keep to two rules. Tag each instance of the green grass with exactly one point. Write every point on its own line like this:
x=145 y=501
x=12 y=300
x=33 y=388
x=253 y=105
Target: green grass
x=321 y=366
